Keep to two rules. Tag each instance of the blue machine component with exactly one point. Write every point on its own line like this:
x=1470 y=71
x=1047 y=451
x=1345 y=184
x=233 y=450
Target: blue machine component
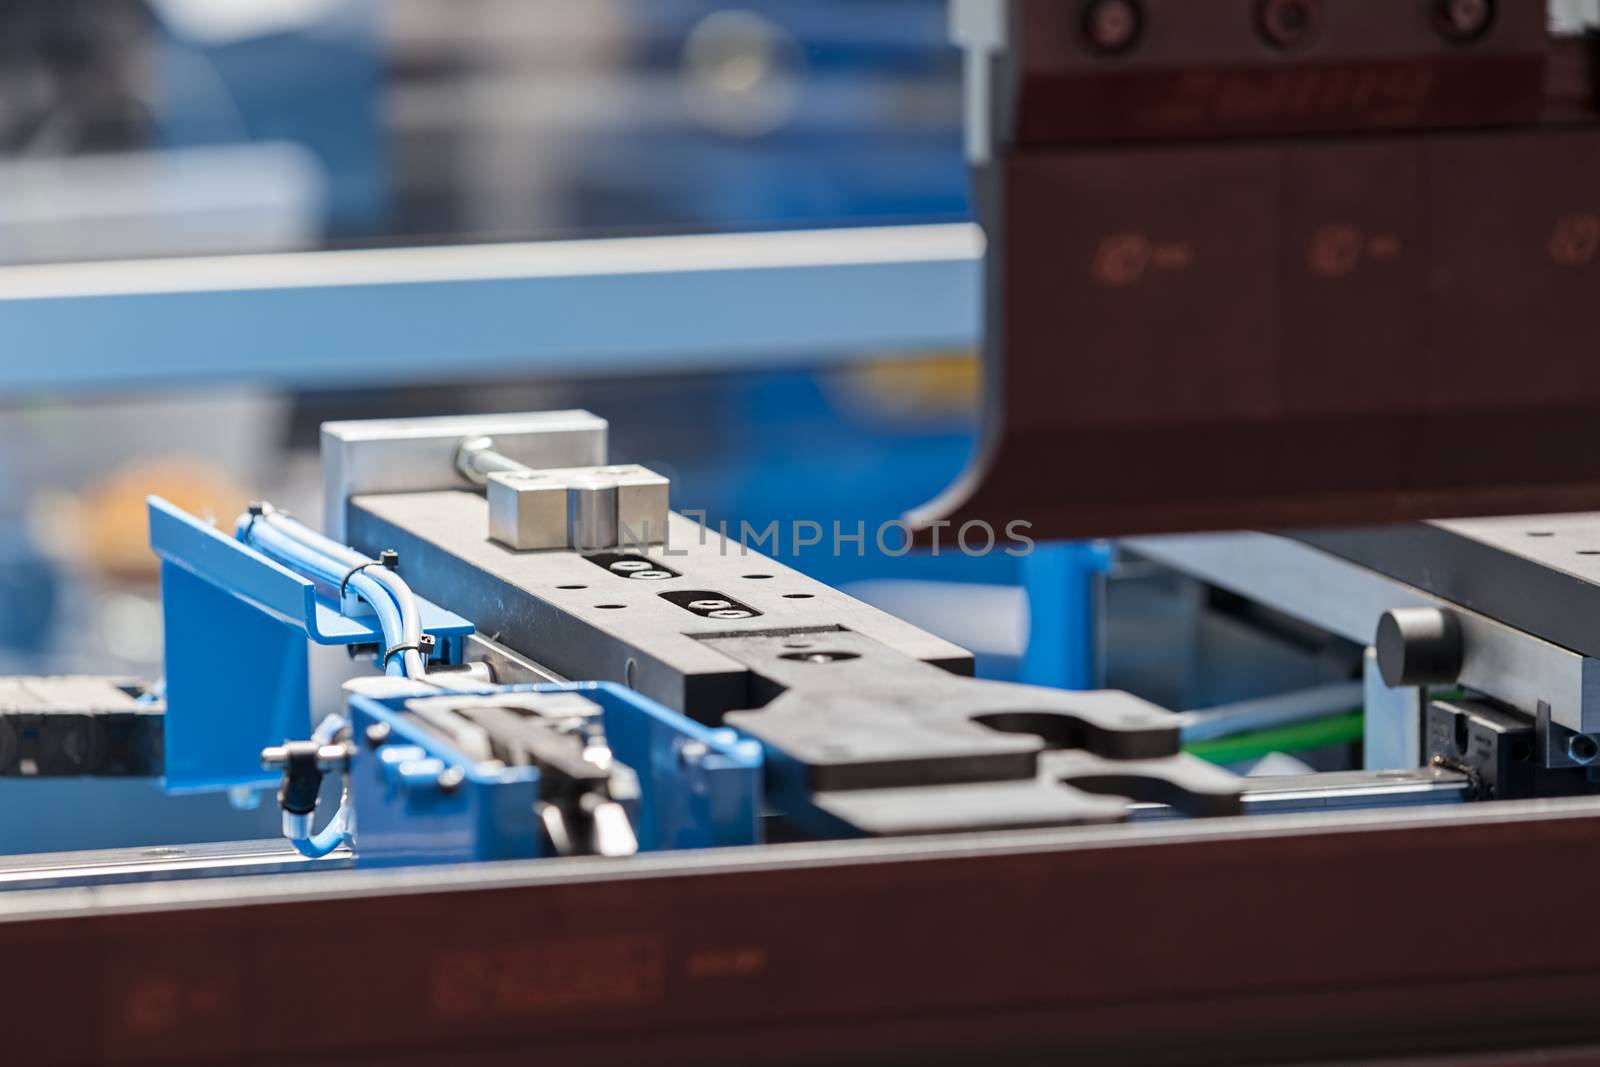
x=1060 y=580
x=417 y=799
x=236 y=629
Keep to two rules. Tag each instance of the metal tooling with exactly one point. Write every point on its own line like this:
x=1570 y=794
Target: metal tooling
x=1273 y=256
x=69 y=726
x=867 y=706
x=622 y=616
x=1497 y=750
x=408 y=455
x=1538 y=573
x=861 y=737
x=1317 y=586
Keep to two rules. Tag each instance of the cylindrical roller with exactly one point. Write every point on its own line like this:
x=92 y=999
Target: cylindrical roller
x=1419 y=646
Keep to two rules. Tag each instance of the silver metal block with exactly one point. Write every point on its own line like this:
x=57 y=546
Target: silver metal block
x=587 y=508
x=642 y=504
x=418 y=455
x=528 y=510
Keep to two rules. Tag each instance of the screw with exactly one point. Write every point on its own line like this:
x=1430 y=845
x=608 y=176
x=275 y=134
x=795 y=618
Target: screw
x=709 y=605
x=1464 y=20
x=629 y=566
x=378 y=733
x=1113 y=26
x=650 y=576
x=1582 y=749
x=1290 y=23
x=450 y=780
x=691 y=753
x=729 y=613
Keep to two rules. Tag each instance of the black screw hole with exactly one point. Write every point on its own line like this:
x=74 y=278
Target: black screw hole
x=572 y=587
x=1521 y=752
x=797 y=596
x=756 y=577
x=1541 y=533
x=611 y=607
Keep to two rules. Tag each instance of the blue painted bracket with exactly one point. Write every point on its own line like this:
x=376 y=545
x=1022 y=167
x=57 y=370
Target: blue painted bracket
x=699 y=787
x=1060 y=581
x=237 y=626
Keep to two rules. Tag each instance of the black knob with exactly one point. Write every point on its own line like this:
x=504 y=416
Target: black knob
x=1419 y=646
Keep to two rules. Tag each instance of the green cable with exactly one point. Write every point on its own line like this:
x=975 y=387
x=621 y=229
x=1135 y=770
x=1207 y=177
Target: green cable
x=1334 y=730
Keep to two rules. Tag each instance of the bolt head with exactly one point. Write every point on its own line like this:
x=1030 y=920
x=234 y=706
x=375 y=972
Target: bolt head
x=450 y=779
x=378 y=733
x=1113 y=26
x=1582 y=749
x=1465 y=20
x=1290 y=23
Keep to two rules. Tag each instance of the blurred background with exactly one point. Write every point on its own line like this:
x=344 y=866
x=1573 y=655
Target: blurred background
x=139 y=130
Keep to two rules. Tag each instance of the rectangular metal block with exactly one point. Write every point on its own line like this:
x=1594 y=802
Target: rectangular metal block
x=527 y=510
x=415 y=455
x=642 y=505
x=1537 y=573
x=588 y=508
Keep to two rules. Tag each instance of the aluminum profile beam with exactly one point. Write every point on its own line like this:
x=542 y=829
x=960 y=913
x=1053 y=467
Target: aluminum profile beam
x=701 y=302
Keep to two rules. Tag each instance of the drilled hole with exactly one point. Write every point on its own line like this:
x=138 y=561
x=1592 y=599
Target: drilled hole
x=1540 y=533
x=611 y=607
x=820 y=657
x=797 y=596
x=572 y=587
x=756 y=577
